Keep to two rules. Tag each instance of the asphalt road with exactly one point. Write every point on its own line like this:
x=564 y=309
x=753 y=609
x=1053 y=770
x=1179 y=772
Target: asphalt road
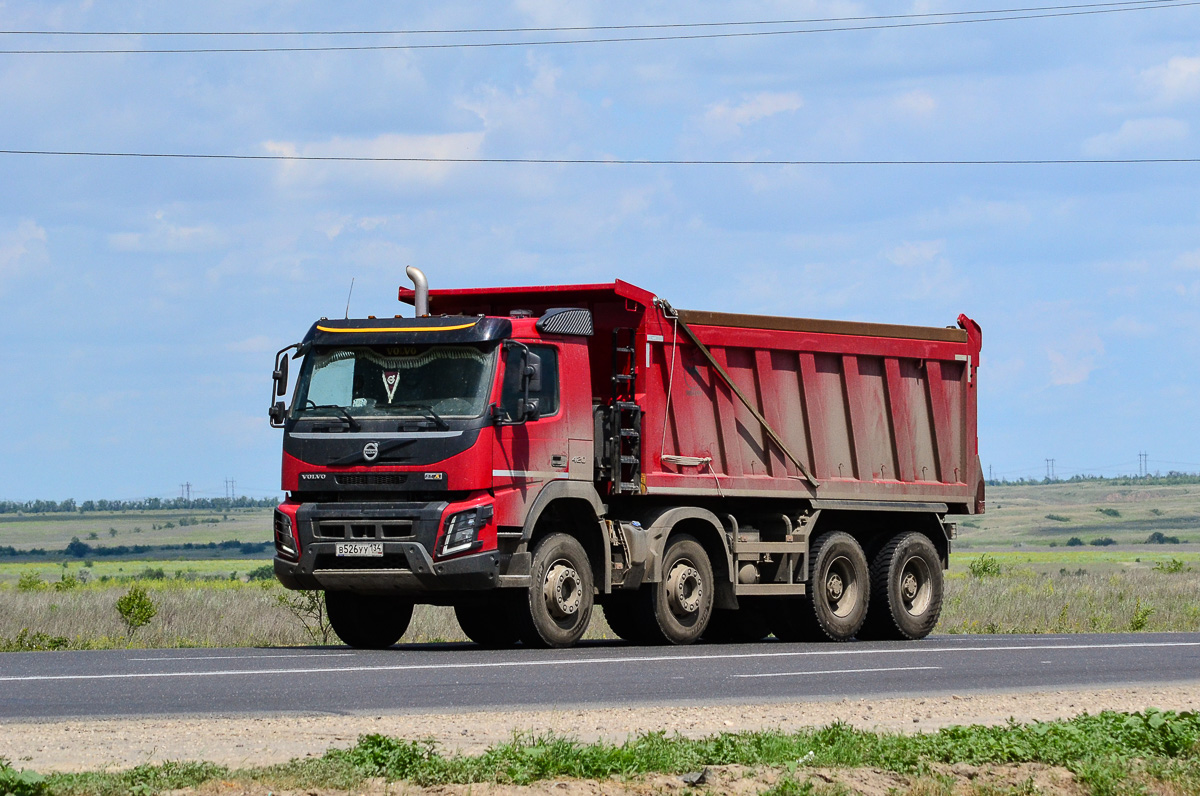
x=443 y=678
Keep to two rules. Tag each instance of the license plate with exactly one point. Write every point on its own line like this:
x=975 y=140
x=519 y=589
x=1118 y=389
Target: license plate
x=368 y=549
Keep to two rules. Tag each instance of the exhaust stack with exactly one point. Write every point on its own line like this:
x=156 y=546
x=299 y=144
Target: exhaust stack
x=421 y=289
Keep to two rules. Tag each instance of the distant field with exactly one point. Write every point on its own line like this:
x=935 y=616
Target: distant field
x=1045 y=515
x=55 y=531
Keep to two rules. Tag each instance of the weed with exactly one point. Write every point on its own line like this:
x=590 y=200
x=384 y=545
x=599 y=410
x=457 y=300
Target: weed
x=136 y=609
x=309 y=608
x=33 y=642
x=984 y=566
x=20 y=783
x=1141 y=616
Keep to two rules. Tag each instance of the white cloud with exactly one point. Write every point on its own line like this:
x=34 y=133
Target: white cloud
x=1074 y=358
x=380 y=174
x=1188 y=261
x=20 y=248
x=916 y=103
x=916 y=253
x=167 y=237
x=924 y=270
x=730 y=119
x=1176 y=80
x=259 y=344
x=1132 y=327
x=1135 y=135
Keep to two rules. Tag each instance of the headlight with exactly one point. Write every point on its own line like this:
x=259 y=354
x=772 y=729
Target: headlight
x=285 y=539
x=462 y=530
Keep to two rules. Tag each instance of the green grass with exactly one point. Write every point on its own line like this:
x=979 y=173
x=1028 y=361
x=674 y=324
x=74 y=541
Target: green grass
x=1045 y=514
x=1109 y=753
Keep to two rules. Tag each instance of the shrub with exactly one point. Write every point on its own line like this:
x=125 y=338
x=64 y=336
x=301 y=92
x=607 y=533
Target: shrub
x=309 y=608
x=1109 y=512
x=1103 y=541
x=1058 y=518
x=984 y=566
x=266 y=572
x=1171 y=567
x=136 y=609
x=1158 y=537
x=1074 y=541
x=67 y=583
x=30 y=581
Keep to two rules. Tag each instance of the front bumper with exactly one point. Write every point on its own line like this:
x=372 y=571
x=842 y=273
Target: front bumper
x=406 y=566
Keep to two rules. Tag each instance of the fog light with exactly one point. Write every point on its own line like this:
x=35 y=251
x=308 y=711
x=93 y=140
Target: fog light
x=462 y=530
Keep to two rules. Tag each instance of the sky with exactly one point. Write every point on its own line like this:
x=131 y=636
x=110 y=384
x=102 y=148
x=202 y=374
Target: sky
x=142 y=300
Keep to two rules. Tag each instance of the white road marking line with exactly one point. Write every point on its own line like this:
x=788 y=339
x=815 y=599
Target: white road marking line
x=585 y=661
x=250 y=657
x=841 y=671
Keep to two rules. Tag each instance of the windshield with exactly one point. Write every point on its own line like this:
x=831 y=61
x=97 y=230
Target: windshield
x=436 y=381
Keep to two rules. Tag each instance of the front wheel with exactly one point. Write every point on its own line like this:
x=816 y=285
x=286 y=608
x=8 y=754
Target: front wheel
x=367 y=621
x=487 y=623
x=677 y=609
x=906 y=589
x=556 y=608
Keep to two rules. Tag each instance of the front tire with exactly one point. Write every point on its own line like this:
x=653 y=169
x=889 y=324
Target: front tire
x=906 y=589
x=677 y=609
x=557 y=607
x=488 y=624
x=367 y=621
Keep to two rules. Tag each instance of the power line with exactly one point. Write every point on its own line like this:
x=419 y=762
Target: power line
x=581 y=28
x=1153 y=5
x=599 y=161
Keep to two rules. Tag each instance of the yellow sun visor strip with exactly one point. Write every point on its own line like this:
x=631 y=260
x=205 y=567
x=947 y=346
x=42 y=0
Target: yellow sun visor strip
x=403 y=328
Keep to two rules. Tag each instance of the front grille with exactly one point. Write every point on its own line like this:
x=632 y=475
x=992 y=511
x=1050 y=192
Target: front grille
x=371 y=479
x=386 y=561
x=358 y=529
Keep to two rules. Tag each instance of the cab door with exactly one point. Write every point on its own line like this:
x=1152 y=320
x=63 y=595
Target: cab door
x=530 y=454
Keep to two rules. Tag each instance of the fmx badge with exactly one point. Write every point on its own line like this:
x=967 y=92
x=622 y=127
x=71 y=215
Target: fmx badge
x=371 y=451
x=434 y=476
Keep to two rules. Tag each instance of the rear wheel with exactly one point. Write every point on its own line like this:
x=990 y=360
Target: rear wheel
x=368 y=621
x=488 y=623
x=676 y=610
x=906 y=589
x=839 y=593
x=556 y=608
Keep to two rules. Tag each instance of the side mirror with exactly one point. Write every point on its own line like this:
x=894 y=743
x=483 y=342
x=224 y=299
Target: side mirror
x=533 y=373
x=532 y=412
x=281 y=375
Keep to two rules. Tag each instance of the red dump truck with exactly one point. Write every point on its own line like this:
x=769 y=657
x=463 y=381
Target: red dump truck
x=524 y=454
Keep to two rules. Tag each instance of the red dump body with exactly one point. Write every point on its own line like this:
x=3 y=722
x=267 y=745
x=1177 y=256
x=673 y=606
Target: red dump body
x=862 y=411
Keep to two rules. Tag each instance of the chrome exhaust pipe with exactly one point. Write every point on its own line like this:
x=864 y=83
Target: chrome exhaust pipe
x=421 y=289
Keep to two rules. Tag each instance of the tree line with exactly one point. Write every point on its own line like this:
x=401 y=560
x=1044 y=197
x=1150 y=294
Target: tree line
x=70 y=506
x=1172 y=478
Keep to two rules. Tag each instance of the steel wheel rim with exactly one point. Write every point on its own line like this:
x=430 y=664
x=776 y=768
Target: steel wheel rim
x=916 y=586
x=562 y=589
x=685 y=589
x=841 y=587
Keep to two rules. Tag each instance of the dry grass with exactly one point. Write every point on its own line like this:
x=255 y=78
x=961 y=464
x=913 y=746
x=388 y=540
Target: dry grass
x=236 y=614
x=1024 y=601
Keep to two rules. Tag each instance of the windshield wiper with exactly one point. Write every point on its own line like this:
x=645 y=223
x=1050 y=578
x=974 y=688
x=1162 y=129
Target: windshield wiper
x=341 y=410
x=428 y=409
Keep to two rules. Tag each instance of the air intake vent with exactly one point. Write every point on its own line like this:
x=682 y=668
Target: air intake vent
x=371 y=479
x=566 y=320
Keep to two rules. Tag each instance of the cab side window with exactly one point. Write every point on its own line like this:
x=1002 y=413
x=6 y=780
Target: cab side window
x=547 y=396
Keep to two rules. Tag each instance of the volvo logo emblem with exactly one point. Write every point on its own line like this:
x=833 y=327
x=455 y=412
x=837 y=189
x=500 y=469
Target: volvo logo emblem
x=371 y=451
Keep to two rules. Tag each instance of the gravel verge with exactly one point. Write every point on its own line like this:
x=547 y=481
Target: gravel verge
x=243 y=741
